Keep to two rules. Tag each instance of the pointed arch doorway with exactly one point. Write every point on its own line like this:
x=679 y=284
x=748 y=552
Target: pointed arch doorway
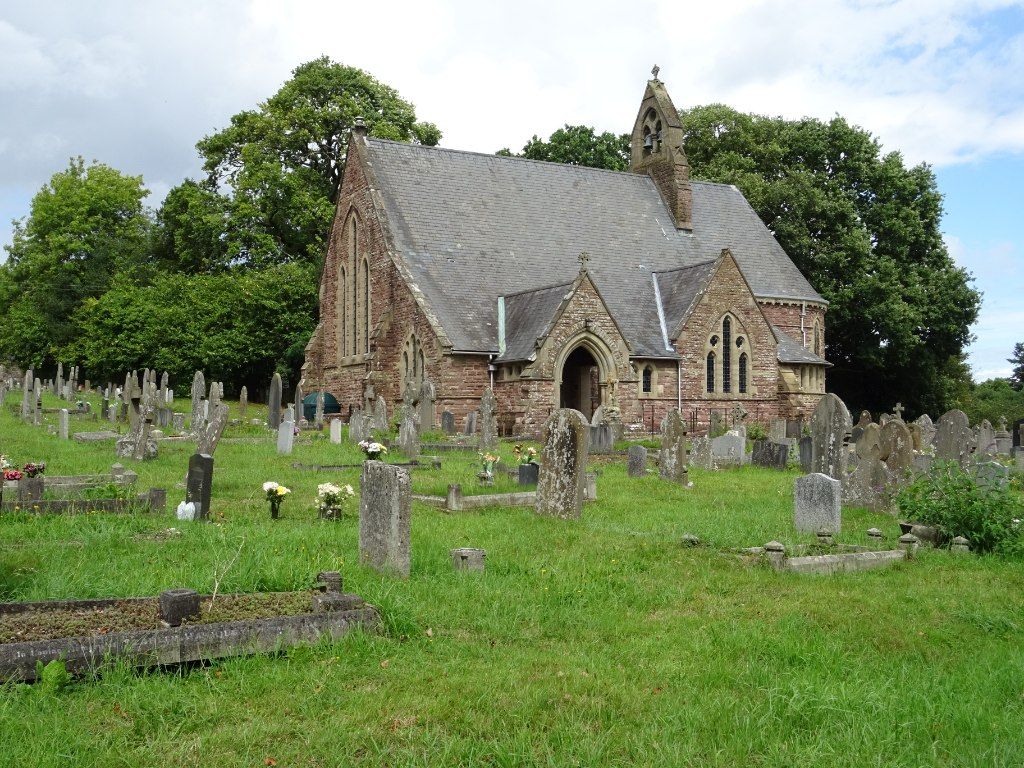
x=580 y=385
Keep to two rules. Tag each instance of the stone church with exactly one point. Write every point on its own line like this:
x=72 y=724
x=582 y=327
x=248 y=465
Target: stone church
x=562 y=286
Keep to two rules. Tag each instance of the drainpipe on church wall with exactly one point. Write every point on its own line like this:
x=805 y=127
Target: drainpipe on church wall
x=490 y=369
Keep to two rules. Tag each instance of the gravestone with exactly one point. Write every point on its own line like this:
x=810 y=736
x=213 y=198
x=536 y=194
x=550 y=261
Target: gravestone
x=380 y=415
x=335 y=430
x=65 y=424
x=1003 y=438
x=637 y=461
x=359 y=427
x=560 y=484
x=243 y=403
x=806 y=447
x=319 y=414
x=770 y=454
x=777 y=430
x=700 y=452
x=672 y=457
x=409 y=433
x=209 y=434
x=830 y=424
x=954 y=439
x=274 y=402
x=528 y=474
x=897 y=450
x=728 y=449
x=869 y=444
x=198 y=398
x=817 y=503
x=37 y=400
x=985 y=440
x=27 y=401
x=448 y=422
x=470 y=423
x=299 y=407
x=602 y=440
x=199 y=484
x=717 y=425
x=285 y=437
x=488 y=421
x=795 y=428
x=428 y=394
x=385 y=512
x=927 y=428
x=991 y=475
x=858 y=429
x=177 y=422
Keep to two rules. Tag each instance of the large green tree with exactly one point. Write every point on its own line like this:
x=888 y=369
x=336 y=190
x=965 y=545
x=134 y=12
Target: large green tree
x=865 y=230
x=579 y=145
x=85 y=225
x=1017 y=361
x=860 y=224
x=281 y=165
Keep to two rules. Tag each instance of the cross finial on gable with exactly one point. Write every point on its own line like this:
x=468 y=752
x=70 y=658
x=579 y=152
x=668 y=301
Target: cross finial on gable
x=583 y=258
x=655 y=70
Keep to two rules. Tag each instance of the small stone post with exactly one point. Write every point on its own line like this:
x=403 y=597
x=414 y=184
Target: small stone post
x=468 y=559
x=776 y=554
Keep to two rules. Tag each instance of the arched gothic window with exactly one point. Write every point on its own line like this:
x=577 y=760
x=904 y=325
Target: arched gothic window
x=743 y=373
x=648 y=380
x=726 y=354
x=366 y=306
x=342 y=310
x=351 y=342
x=711 y=372
x=413 y=361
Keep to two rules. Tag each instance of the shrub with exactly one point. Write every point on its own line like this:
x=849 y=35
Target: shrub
x=757 y=432
x=950 y=499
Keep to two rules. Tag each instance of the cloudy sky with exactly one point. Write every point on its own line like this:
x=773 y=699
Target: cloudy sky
x=136 y=84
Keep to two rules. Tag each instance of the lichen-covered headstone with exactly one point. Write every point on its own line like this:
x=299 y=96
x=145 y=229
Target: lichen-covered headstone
x=924 y=422
x=672 y=457
x=897 y=449
x=385 y=512
x=380 y=414
x=985 y=439
x=274 y=402
x=208 y=436
x=488 y=421
x=954 y=439
x=428 y=394
x=637 y=461
x=830 y=424
x=563 y=462
x=729 y=449
x=198 y=398
x=859 y=427
x=700 y=452
x=818 y=504
x=243 y=403
x=770 y=454
x=448 y=422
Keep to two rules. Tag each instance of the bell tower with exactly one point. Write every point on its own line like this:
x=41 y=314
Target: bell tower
x=656 y=148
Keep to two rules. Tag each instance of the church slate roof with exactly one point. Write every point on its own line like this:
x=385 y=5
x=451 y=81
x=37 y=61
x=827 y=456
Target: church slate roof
x=791 y=351
x=528 y=317
x=472 y=227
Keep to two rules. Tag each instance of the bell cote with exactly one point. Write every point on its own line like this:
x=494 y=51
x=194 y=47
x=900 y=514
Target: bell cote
x=656 y=149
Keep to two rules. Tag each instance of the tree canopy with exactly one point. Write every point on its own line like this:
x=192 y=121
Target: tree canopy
x=1017 y=361
x=579 y=145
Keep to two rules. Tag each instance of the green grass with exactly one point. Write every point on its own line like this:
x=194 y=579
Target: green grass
x=589 y=643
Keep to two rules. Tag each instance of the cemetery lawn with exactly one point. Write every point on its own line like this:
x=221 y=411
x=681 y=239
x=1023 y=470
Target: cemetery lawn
x=600 y=642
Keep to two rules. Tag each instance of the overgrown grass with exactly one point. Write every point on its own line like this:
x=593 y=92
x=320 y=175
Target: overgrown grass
x=596 y=642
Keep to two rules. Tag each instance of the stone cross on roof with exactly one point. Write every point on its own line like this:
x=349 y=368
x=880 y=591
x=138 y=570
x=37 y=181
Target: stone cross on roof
x=898 y=411
x=655 y=70
x=583 y=259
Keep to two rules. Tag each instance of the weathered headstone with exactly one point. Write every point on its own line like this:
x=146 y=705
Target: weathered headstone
x=177 y=422
x=897 y=450
x=637 y=466
x=335 y=430
x=359 y=426
x=409 y=433
x=806 y=446
x=448 y=422
x=927 y=428
x=602 y=440
x=817 y=501
x=1004 y=440
x=319 y=414
x=285 y=437
x=528 y=474
x=488 y=421
x=830 y=424
x=672 y=457
x=300 y=405
x=198 y=398
x=385 y=512
x=243 y=403
x=858 y=428
x=770 y=454
x=729 y=449
x=64 y=429
x=985 y=439
x=428 y=395
x=563 y=463
x=380 y=414
x=208 y=435
x=700 y=452
x=954 y=439
x=992 y=475
x=199 y=484
x=471 y=423
x=274 y=402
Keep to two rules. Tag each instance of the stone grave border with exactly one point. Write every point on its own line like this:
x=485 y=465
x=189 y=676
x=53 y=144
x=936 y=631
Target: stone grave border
x=455 y=501
x=425 y=462
x=856 y=558
x=173 y=645
x=152 y=501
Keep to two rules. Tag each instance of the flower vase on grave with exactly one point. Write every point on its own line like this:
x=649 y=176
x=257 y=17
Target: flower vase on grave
x=275 y=495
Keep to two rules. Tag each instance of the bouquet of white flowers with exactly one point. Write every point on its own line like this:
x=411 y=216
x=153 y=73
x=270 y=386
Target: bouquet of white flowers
x=331 y=500
x=275 y=495
x=373 y=450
